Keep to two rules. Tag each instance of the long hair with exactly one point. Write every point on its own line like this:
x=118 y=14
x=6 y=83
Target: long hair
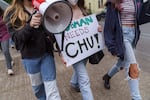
x=16 y=9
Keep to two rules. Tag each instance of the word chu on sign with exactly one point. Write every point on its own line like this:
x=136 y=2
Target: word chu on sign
x=81 y=46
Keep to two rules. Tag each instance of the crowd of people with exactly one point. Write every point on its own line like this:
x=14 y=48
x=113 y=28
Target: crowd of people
x=121 y=37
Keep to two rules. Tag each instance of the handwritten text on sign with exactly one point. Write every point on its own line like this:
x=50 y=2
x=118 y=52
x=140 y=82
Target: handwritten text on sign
x=81 y=39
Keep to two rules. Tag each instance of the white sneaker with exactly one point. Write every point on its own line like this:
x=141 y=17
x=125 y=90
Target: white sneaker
x=10 y=72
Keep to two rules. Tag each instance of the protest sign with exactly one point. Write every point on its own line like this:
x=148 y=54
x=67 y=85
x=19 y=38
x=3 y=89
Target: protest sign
x=80 y=40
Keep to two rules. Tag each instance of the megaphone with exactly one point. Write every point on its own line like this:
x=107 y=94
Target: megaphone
x=56 y=14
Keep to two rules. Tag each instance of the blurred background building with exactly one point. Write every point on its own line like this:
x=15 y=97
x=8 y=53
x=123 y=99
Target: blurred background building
x=95 y=6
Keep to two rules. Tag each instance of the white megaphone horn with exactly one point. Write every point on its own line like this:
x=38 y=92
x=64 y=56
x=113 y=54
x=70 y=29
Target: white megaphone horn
x=56 y=14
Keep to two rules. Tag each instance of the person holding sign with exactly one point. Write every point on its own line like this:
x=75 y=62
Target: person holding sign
x=121 y=33
x=80 y=79
x=37 y=54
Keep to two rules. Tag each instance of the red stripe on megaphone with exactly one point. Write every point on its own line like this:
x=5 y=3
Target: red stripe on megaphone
x=37 y=3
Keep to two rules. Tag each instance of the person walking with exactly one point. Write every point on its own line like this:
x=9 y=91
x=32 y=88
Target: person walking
x=121 y=33
x=80 y=81
x=4 y=40
x=37 y=54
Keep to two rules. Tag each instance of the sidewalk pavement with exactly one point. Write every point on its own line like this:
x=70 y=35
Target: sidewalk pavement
x=18 y=87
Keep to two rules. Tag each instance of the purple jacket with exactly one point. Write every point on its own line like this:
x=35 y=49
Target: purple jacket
x=4 y=35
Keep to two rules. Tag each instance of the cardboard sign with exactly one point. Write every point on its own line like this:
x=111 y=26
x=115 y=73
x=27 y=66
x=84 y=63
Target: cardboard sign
x=81 y=39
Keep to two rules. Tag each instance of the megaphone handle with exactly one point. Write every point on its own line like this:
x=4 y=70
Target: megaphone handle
x=31 y=16
x=62 y=43
x=36 y=11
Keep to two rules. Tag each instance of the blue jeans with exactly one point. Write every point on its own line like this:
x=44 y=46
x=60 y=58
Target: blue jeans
x=42 y=73
x=80 y=78
x=6 y=52
x=11 y=41
x=129 y=35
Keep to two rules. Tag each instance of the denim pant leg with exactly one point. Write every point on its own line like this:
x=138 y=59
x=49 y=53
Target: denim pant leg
x=11 y=42
x=32 y=67
x=83 y=80
x=133 y=83
x=116 y=68
x=129 y=34
x=74 y=79
x=48 y=72
x=6 y=52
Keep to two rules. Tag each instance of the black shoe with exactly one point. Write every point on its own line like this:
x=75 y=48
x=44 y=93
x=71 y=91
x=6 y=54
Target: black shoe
x=106 y=79
x=77 y=89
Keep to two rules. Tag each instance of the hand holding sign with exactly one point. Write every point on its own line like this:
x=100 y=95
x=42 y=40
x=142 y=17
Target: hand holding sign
x=100 y=29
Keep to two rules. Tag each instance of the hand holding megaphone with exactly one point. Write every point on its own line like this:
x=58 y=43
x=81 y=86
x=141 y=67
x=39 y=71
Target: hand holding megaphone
x=35 y=19
x=56 y=14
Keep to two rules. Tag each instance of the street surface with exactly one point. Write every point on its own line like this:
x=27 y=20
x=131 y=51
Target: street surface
x=143 y=48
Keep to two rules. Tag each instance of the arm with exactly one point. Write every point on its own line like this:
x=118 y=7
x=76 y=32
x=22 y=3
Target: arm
x=25 y=33
x=19 y=36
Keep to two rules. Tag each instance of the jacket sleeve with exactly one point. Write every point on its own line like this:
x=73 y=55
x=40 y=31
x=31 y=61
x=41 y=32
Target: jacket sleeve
x=19 y=36
x=109 y=29
x=23 y=34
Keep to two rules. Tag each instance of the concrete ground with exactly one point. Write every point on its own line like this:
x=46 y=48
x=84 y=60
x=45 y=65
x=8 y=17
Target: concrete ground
x=17 y=87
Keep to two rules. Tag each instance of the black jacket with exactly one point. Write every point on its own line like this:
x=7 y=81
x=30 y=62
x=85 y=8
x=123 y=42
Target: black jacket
x=30 y=41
